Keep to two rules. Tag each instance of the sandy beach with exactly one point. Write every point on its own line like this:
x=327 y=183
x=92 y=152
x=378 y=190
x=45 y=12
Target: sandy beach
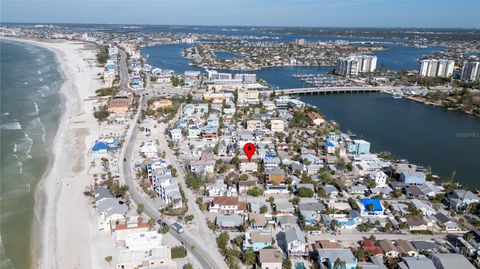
x=65 y=224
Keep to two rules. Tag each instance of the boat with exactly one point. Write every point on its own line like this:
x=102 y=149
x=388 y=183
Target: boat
x=397 y=96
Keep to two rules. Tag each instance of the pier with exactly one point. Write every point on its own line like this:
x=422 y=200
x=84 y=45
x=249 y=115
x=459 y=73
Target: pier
x=331 y=90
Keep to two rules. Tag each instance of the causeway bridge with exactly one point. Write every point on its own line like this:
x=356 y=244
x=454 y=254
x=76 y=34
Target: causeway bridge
x=330 y=90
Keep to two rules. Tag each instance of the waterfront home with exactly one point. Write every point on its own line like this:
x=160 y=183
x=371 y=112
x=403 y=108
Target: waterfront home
x=227 y=205
x=270 y=258
x=420 y=262
x=450 y=261
x=316 y=118
x=460 y=199
x=143 y=240
x=410 y=177
x=156 y=257
x=119 y=105
x=327 y=258
x=359 y=147
x=388 y=248
x=370 y=207
x=257 y=240
x=230 y=222
x=296 y=244
x=109 y=209
x=414 y=191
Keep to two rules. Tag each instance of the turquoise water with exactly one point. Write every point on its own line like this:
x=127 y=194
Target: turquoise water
x=30 y=106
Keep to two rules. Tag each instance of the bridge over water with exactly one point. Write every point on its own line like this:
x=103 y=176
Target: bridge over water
x=331 y=90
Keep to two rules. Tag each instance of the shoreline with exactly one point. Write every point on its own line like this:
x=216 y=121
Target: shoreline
x=64 y=224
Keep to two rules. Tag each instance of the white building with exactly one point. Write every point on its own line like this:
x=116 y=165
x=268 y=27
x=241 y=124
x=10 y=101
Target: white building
x=149 y=150
x=380 y=178
x=347 y=66
x=353 y=65
x=143 y=240
x=246 y=78
x=471 y=71
x=437 y=68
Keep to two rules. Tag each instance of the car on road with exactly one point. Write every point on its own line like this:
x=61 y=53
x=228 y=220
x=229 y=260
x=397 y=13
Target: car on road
x=177 y=227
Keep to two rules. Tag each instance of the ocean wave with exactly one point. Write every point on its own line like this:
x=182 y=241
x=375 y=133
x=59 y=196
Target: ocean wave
x=39 y=72
x=11 y=126
x=5 y=114
x=35 y=110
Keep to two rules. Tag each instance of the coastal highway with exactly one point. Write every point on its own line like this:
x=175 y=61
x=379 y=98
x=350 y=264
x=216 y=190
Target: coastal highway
x=200 y=251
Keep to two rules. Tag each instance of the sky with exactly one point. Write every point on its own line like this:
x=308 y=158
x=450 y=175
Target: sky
x=323 y=13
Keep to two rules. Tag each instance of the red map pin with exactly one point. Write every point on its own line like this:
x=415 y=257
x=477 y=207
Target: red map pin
x=249 y=150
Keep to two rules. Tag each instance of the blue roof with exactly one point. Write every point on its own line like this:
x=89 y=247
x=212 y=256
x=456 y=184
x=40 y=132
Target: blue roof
x=100 y=146
x=330 y=144
x=377 y=206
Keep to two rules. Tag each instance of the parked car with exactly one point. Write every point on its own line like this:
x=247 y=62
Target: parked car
x=177 y=227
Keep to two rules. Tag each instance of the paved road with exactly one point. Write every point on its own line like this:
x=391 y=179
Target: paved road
x=201 y=252
x=123 y=70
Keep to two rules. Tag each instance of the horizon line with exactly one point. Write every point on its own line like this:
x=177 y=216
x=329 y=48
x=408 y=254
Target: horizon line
x=257 y=26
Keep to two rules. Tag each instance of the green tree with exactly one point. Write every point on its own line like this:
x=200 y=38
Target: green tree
x=101 y=113
x=140 y=208
x=188 y=266
x=339 y=264
x=249 y=257
x=108 y=259
x=305 y=192
x=286 y=264
x=255 y=191
x=263 y=209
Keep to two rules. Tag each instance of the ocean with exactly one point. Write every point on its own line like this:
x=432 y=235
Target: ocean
x=30 y=108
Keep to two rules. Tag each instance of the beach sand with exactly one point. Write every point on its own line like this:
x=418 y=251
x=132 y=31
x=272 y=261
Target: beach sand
x=65 y=223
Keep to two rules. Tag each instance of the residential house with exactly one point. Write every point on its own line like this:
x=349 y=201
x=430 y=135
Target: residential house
x=110 y=210
x=416 y=223
x=420 y=262
x=229 y=221
x=316 y=118
x=227 y=205
x=370 y=207
x=245 y=185
x=446 y=223
x=370 y=247
x=460 y=199
x=257 y=220
x=276 y=181
x=426 y=209
x=257 y=240
x=296 y=244
x=270 y=259
x=176 y=134
x=389 y=248
x=149 y=150
x=157 y=257
x=284 y=208
x=221 y=189
x=277 y=126
x=411 y=177
x=327 y=258
x=249 y=167
x=380 y=177
x=405 y=248
x=450 y=261
x=311 y=212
